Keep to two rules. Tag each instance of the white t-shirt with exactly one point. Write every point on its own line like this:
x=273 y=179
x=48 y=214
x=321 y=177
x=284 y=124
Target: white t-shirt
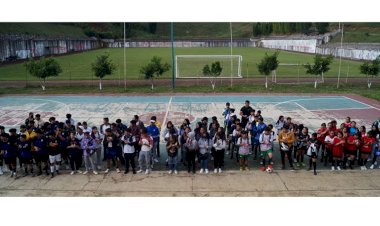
x=145 y=144
x=329 y=140
x=128 y=148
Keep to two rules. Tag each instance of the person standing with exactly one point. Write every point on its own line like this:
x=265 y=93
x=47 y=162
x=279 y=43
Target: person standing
x=172 y=148
x=110 y=145
x=286 y=140
x=146 y=143
x=244 y=144
x=154 y=132
x=97 y=137
x=75 y=154
x=89 y=145
x=54 y=154
x=24 y=148
x=245 y=111
x=266 y=148
x=191 y=146
x=219 y=145
x=129 y=142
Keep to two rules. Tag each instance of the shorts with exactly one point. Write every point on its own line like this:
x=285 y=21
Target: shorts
x=313 y=155
x=55 y=158
x=348 y=152
x=26 y=160
x=111 y=154
x=265 y=153
x=40 y=157
x=243 y=156
x=11 y=160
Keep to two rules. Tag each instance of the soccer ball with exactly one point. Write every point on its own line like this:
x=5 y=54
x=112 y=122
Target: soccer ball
x=269 y=170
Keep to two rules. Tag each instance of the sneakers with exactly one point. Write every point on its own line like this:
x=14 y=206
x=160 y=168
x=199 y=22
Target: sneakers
x=332 y=168
x=246 y=169
x=206 y=171
x=220 y=170
x=72 y=173
x=363 y=168
x=96 y=173
x=85 y=172
x=201 y=171
x=215 y=170
x=1 y=172
x=175 y=172
x=298 y=164
x=117 y=170
x=52 y=175
x=147 y=171
x=338 y=167
x=170 y=172
x=134 y=171
x=107 y=171
x=315 y=173
x=302 y=164
x=78 y=171
x=263 y=168
x=155 y=160
x=241 y=168
x=372 y=166
x=140 y=171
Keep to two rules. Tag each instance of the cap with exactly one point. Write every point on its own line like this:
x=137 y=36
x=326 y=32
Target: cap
x=152 y=120
x=86 y=132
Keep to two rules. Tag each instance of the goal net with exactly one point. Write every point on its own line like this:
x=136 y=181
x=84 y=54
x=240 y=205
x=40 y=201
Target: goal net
x=191 y=66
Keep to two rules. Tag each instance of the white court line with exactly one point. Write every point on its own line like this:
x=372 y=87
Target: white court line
x=303 y=108
x=318 y=98
x=361 y=103
x=165 y=118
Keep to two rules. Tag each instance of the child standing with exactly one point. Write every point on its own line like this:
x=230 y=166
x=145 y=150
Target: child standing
x=338 y=144
x=204 y=145
x=286 y=139
x=303 y=139
x=129 y=142
x=219 y=145
x=24 y=149
x=172 y=149
x=366 y=149
x=329 y=146
x=146 y=143
x=312 y=151
x=266 y=148
x=244 y=144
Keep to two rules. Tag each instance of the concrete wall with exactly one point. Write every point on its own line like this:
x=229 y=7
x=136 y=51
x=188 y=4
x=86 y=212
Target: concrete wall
x=28 y=47
x=356 y=54
x=301 y=45
x=181 y=44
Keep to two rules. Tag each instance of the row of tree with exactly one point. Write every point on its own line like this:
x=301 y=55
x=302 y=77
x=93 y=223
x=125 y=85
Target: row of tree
x=264 y=29
x=103 y=66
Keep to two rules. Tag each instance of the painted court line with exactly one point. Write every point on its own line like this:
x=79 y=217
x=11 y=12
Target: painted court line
x=163 y=125
x=361 y=103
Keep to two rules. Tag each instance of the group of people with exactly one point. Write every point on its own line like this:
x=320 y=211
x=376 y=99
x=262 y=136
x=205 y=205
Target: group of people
x=44 y=147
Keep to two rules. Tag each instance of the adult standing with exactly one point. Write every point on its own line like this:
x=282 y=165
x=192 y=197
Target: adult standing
x=245 y=111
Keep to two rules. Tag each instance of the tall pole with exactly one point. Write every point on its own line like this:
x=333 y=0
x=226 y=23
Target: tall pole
x=125 y=64
x=340 y=56
x=231 y=51
x=173 y=66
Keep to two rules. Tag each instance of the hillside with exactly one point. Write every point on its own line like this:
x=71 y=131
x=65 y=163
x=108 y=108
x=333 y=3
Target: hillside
x=354 y=32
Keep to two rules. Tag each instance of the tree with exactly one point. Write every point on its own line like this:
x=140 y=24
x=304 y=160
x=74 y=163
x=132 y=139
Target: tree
x=267 y=65
x=43 y=69
x=321 y=66
x=256 y=30
x=152 y=27
x=103 y=66
x=322 y=27
x=370 y=69
x=213 y=72
x=154 y=69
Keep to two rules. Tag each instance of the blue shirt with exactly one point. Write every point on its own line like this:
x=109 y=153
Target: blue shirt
x=154 y=132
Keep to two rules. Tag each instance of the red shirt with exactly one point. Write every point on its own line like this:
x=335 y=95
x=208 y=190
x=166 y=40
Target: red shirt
x=367 y=144
x=320 y=136
x=338 y=150
x=347 y=124
x=351 y=147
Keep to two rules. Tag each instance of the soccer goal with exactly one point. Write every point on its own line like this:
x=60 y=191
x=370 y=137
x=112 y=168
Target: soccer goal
x=191 y=66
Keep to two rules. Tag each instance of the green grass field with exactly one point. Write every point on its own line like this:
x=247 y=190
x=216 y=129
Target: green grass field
x=77 y=66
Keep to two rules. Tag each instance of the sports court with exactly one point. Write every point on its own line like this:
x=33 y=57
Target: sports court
x=309 y=110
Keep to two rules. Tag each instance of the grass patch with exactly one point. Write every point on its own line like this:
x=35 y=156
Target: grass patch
x=362 y=90
x=77 y=66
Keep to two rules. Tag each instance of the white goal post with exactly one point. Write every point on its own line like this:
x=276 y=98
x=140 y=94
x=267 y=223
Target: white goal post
x=190 y=66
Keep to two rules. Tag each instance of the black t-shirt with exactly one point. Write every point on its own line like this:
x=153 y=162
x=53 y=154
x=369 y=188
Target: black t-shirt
x=53 y=148
x=246 y=111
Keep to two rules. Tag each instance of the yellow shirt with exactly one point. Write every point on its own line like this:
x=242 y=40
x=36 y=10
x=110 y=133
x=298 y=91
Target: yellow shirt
x=286 y=137
x=30 y=136
x=158 y=124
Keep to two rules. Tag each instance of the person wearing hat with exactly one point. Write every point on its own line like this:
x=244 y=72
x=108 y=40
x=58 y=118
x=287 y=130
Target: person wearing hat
x=79 y=134
x=89 y=145
x=154 y=132
x=39 y=152
x=129 y=141
x=54 y=153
